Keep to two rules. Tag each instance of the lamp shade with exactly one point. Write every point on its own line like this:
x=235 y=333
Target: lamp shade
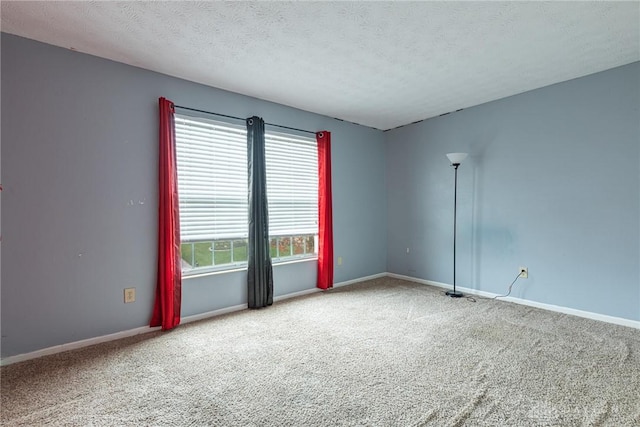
x=457 y=158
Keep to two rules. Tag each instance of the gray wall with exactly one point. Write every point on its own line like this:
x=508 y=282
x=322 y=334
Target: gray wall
x=79 y=211
x=552 y=183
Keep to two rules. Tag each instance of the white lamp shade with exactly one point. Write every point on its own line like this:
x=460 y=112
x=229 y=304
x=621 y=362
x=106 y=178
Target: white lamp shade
x=457 y=157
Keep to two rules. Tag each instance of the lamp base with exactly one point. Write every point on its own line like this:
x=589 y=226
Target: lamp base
x=454 y=294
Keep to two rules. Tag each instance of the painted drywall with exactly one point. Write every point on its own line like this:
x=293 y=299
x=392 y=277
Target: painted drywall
x=79 y=176
x=552 y=183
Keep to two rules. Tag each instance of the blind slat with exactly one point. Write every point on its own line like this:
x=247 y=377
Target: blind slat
x=292 y=184
x=212 y=181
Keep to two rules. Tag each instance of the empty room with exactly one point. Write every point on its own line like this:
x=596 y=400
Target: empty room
x=320 y=213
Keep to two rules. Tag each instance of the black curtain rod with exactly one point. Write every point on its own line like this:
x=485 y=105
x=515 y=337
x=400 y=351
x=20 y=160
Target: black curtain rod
x=240 y=118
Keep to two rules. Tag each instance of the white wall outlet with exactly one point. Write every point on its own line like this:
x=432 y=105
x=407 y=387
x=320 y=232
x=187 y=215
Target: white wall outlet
x=407 y=250
x=524 y=272
x=129 y=295
x=339 y=260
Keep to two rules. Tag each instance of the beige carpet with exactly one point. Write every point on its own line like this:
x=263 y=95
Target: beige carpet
x=379 y=353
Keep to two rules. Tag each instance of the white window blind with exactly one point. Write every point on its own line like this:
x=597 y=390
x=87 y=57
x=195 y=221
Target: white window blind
x=292 y=184
x=212 y=179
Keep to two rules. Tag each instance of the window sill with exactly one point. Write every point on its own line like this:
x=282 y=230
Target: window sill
x=196 y=275
x=294 y=261
x=238 y=269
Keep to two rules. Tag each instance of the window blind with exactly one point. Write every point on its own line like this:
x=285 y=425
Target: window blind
x=212 y=179
x=292 y=184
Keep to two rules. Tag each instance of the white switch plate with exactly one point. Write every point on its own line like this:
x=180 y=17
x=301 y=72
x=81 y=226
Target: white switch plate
x=129 y=295
x=339 y=260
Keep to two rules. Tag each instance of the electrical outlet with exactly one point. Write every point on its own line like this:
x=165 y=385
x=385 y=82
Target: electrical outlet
x=129 y=295
x=524 y=272
x=339 y=260
x=407 y=250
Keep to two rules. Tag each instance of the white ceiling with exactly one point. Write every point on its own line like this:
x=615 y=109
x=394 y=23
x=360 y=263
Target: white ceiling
x=379 y=64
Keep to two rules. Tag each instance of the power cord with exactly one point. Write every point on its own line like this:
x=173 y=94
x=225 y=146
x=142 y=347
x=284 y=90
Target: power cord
x=472 y=299
x=510 y=286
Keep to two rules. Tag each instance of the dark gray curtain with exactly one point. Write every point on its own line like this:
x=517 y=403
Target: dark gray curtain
x=260 y=274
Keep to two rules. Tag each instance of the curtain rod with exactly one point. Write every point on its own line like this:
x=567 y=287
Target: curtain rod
x=240 y=118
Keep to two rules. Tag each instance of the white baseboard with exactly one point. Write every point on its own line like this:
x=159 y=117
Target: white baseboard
x=296 y=294
x=76 y=345
x=359 y=279
x=208 y=314
x=557 y=308
x=240 y=307
x=146 y=329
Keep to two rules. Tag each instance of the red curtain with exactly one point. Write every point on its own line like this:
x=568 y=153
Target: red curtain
x=166 y=311
x=325 y=216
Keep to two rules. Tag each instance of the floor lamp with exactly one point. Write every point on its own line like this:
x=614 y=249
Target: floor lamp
x=455 y=159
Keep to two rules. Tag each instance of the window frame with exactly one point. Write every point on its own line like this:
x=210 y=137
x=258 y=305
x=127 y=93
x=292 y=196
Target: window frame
x=242 y=265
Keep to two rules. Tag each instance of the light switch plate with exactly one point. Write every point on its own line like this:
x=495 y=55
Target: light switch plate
x=129 y=295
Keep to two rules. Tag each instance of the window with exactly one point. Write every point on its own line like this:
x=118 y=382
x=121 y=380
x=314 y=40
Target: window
x=292 y=193
x=212 y=190
x=212 y=187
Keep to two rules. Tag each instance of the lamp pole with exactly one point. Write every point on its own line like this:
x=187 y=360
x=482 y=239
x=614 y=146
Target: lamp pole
x=456 y=159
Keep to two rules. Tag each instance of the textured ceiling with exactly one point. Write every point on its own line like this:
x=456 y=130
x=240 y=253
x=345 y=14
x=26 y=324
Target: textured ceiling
x=380 y=64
